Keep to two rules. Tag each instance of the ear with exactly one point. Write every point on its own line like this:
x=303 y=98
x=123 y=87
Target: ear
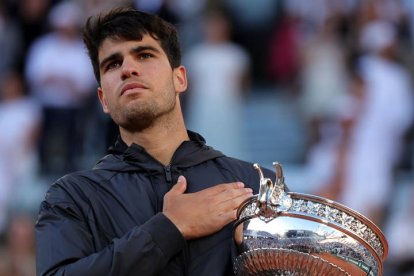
x=180 y=79
x=102 y=99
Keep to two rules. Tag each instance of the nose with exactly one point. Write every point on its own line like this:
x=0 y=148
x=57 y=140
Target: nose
x=129 y=68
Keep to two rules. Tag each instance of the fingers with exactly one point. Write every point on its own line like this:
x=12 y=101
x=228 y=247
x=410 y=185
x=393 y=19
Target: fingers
x=226 y=203
x=225 y=197
x=230 y=193
x=233 y=203
x=220 y=188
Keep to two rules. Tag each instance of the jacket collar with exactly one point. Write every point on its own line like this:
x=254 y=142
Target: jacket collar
x=120 y=146
x=189 y=153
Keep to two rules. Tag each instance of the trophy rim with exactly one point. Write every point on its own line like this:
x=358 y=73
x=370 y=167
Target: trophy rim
x=383 y=244
x=341 y=207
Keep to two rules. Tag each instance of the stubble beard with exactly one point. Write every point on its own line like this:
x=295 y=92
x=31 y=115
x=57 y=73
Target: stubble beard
x=138 y=117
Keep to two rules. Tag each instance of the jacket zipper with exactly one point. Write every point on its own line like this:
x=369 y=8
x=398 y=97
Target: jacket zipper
x=168 y=175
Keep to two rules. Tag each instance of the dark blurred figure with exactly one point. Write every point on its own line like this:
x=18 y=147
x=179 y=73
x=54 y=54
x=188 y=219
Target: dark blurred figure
x=93 y=7
x=283 y=63
x=399 y=233
x=32 y=18
x=253 y=23
x=11 y=40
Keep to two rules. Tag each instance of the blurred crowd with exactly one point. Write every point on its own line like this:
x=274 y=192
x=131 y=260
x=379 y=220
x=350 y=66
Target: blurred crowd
x=347 y=65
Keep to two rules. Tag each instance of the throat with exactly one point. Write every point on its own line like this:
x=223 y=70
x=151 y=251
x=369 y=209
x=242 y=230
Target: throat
x=160 y=145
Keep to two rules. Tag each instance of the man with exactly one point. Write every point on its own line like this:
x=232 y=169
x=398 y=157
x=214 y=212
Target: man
x=162 y=202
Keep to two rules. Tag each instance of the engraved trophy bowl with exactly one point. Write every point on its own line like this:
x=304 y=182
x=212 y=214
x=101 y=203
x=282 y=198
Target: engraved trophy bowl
x=285 y=233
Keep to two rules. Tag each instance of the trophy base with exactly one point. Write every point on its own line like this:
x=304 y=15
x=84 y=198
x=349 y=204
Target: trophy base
x=283 y=262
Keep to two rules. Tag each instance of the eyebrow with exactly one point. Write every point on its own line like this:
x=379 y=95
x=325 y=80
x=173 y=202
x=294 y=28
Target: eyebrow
x=134 y=50
x=108 y=59
x=144 y=48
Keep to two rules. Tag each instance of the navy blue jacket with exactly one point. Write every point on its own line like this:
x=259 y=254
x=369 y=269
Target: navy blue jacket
x=108 y=220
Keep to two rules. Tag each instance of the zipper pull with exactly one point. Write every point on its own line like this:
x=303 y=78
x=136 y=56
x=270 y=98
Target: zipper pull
x=168 y=175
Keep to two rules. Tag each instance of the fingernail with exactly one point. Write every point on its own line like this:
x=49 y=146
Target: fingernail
x=180 y=179
x=240 y=184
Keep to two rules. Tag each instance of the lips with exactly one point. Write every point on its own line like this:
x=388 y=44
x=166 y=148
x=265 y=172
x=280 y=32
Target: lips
x=132 y=86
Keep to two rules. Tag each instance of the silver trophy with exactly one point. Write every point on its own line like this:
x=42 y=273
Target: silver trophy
x=284 y=233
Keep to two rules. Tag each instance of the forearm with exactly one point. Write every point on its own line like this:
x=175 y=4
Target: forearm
x=144 y=250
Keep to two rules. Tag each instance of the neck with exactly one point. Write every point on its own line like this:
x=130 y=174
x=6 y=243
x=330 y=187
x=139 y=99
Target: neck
x=161 y=140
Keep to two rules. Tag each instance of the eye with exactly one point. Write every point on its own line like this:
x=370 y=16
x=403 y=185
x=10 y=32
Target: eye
x=145 y=55
x=113 y=65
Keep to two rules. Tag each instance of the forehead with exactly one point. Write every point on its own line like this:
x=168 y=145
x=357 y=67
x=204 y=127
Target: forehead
x=112 y=46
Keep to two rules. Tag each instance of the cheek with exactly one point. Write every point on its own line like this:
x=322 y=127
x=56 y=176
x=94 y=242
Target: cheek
x=106 y=82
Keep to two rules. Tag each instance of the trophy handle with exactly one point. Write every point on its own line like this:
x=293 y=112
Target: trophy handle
x=272 y=198
x=265 y=189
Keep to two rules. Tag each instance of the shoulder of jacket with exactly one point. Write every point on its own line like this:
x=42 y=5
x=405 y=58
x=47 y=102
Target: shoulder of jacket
x=235 y=164
x=244 y=169
x=78 y=184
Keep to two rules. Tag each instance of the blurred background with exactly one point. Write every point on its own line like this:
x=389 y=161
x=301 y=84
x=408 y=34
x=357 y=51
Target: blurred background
x=325 y=87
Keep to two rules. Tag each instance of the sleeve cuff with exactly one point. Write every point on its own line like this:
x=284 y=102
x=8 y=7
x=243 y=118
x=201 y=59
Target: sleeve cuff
x=165 y=234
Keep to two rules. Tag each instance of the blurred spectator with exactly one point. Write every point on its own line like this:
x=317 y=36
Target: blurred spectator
x=11 y=40
x=61 y=79
x=190 y=19
x=253 y=23
x=20 y=122
x=407 y=7
x=18 y=256
x=315 y=15
x=324 y=76
x=32 y=18
x=283 y=62
x=218 y=71
x=374 y=140
x=327 y=157
x=386 y=114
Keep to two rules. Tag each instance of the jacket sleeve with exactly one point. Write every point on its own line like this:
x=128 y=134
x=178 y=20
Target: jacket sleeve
x=64 y=245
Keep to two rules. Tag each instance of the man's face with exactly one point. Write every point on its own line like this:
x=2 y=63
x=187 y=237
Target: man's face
x=138 y=85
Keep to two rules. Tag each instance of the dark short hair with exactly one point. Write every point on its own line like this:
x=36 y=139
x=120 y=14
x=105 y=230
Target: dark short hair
x=130 y=24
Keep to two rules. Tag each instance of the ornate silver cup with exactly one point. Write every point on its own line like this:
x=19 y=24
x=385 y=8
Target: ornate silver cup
x=284 y=233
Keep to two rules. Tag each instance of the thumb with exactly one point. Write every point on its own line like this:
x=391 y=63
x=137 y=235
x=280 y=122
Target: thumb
x=181 y=185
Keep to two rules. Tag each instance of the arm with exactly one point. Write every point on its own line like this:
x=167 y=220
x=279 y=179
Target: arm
x=65 y=244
